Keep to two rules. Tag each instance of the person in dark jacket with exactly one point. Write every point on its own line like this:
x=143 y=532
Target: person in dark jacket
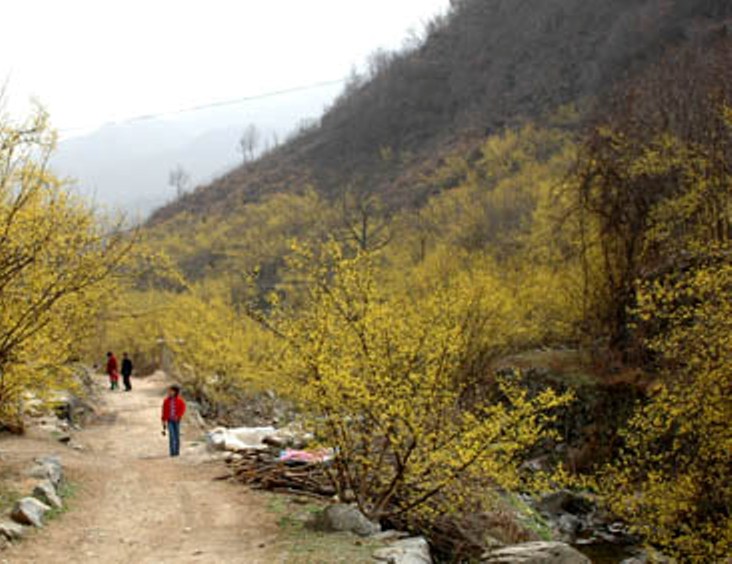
x=173 y=410
x=126 y=371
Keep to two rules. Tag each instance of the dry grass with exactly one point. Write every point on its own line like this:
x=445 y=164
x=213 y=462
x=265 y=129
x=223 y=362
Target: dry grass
x=10 y=487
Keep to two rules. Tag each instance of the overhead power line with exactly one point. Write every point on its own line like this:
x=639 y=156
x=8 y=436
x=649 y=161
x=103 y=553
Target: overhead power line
x=221 y=103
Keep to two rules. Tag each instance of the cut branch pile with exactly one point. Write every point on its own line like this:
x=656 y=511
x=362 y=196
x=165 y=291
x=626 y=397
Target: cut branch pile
x=261 y=470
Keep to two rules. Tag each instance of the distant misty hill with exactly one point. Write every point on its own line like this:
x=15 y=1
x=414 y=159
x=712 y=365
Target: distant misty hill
x=126 y=166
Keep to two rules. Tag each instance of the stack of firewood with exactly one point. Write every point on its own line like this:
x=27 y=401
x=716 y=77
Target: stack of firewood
x=261 y=469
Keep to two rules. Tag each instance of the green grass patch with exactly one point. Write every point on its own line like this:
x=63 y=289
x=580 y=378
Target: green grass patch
x=305 y=545
x=530 y=518
x=8 y=496
x=66 y=491
x=9 y=493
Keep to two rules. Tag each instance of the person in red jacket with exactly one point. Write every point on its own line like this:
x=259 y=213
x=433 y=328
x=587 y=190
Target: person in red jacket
x=112 y=372
x=173 y=410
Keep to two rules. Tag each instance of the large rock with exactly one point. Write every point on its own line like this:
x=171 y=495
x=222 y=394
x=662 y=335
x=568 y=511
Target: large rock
x=569 y=514
x=570 y=524
x=12 y=531
x=29 y=511
x=346 y=518
x=536 y=553
x=407 y=551
x=46 y=492
x=48 y=468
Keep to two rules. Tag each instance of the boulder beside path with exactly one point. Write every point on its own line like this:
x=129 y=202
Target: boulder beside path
x=536 y=553
x=46 y=492
x=12 y=531
x=49 y=468
x=414 y=550
x=29 y=511
x=346 y=518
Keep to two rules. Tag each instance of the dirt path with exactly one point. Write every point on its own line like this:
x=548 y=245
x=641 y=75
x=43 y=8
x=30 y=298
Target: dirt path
x=134 y=504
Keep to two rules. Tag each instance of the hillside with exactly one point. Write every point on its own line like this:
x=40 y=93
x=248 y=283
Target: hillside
x=486 y=65
x=505 y=251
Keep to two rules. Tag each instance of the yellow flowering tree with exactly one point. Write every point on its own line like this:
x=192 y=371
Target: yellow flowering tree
x=215 y=350
x=379 y=378
x=672 y=482
x=57 y=267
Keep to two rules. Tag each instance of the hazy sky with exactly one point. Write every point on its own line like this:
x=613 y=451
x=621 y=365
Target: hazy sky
x=93 y=61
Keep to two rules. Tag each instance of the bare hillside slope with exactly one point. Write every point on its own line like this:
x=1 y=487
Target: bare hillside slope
x=486 y=65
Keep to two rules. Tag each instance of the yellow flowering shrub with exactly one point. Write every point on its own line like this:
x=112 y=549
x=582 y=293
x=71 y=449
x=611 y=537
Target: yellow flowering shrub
x=672 y=481
x=58 y=264
x=377 y=376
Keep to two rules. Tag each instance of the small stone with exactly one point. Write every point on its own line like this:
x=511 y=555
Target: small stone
x=535 y=552
x=589 y=541
x=569 y=524
x=407 y=551
x=346 y=518
x=390 y=536
x=49 y=459
x=11 y=531
x=29 y=511
x=48 y=467
x=616 y=528
x=46 y=492
x=606 y=537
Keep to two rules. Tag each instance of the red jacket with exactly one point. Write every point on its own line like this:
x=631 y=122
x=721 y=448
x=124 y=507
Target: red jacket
x=112 y=365
x=180 y=408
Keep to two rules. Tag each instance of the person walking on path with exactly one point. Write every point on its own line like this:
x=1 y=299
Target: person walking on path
x=112 y=371
x=126 y=372
x=173 y=410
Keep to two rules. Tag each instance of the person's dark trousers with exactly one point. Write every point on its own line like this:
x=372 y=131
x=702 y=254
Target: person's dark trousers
x=174 y=437
x=127 y=382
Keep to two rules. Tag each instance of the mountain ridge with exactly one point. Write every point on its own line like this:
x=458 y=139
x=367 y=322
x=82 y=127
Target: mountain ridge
x=486 y=65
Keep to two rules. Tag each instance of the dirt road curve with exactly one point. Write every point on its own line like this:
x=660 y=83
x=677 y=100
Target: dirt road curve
x=135 y=505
